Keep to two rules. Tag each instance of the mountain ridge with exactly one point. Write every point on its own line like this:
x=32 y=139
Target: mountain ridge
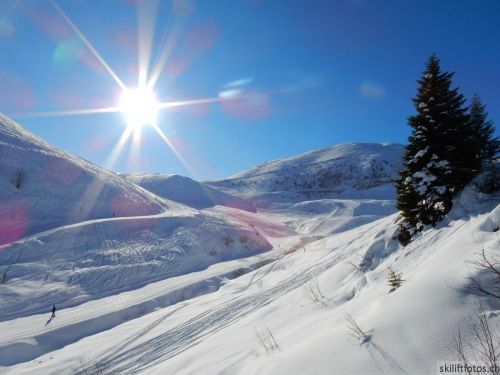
x=349 y=170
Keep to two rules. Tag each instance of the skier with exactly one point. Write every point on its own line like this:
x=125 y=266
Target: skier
x=53 y=311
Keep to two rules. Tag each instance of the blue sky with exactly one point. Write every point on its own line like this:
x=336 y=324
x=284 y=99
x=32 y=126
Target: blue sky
x=316 y=73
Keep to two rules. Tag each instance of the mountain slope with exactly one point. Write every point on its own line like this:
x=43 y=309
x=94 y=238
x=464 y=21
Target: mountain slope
x=351 y=170
x=304 y=300
x=42 y=187
x=228 y=291
x=71 y=265
x=71 y=232
x=187 y=191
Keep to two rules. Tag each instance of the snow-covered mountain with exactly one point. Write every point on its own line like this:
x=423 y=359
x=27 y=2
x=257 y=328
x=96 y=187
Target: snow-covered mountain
x=187 y=191
x=296 y=286
x=291 y=315
x=351 y=170
x=42 y=187
x=87 y=261
x=71 y=232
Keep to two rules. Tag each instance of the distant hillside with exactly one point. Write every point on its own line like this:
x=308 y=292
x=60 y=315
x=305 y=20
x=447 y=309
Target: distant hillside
x=351 y=170
x=187 y=191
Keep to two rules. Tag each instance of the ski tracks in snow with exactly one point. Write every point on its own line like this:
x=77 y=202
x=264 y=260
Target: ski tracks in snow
x=134 y=358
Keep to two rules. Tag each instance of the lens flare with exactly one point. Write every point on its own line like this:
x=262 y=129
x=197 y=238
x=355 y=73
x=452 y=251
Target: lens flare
x=139 y=106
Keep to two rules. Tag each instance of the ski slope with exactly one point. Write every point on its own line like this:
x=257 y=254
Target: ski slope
x=215 y=333
x=179 y=279
x=74 y=264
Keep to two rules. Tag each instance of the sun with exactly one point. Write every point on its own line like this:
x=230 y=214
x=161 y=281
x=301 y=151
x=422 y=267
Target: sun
x=139 y=106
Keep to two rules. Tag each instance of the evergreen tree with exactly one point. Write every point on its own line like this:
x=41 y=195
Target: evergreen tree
x=434 y=164
x=394 y=280
x=484 y=146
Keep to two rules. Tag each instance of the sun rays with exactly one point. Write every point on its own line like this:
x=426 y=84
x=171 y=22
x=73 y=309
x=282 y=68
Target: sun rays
x=138 y=105
x=88 y=44
x=140 y=102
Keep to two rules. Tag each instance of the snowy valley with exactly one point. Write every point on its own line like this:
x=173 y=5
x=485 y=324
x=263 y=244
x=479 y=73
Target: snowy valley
x=280 y=269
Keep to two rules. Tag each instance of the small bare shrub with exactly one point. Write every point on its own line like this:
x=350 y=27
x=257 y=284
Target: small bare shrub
x=19 y=178
x=481 y=344
x=227 y=240
x=314 y=291
x=267 y=340
x=179 y=295
x=213 y=252
x=486 y=281
x=86 y=367
x=357 y=264
x=355 y=331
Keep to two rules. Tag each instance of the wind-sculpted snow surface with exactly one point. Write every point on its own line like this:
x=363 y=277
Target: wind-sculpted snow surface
x=351 y=170
x=187 y=191
x=196 y=292
x=42 y=187
x=329 y=216
x=74 y=264
x=217 y=333
x=135 y=357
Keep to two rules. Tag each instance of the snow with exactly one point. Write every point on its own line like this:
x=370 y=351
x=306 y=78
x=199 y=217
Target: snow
x=350 y=170
x=425 y=177
x=419 y=154
x=215 y=333
x=440 y=189
x=439 y=205
x=57 y=188
x=185 y=289
x=95 y=259
x=424 y=180
x=187 y=191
